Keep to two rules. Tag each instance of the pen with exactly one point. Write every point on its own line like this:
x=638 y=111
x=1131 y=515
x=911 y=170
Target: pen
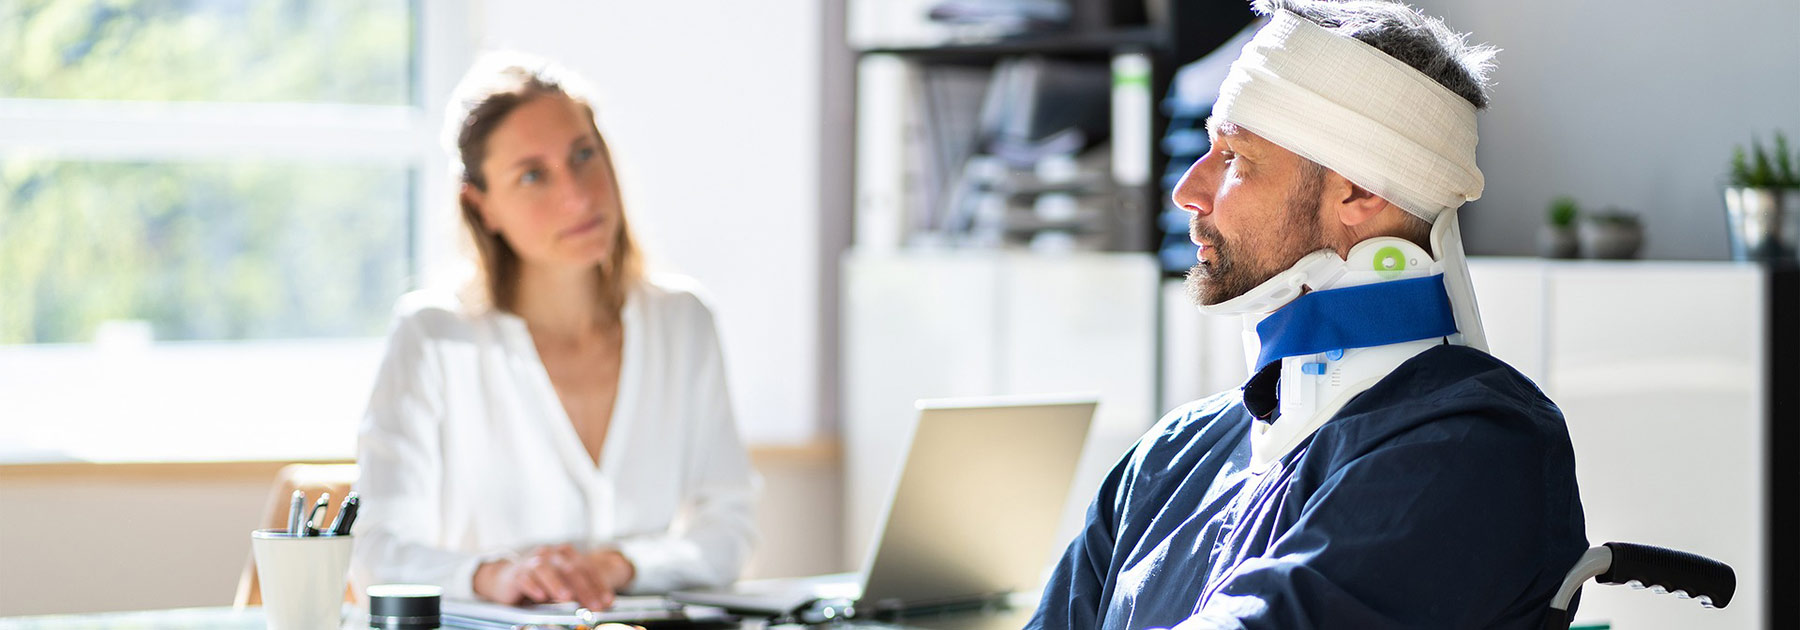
x=346 y=515
x=317 y=518
x=294 y=512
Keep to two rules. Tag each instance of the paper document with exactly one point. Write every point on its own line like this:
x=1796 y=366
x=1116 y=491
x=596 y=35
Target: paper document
x=476 y=614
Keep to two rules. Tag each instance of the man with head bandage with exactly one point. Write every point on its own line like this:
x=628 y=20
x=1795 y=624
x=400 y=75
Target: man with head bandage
x=1379 y=469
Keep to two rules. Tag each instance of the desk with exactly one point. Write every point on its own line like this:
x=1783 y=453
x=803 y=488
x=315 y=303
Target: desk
x=251 y=618
x=223 y=618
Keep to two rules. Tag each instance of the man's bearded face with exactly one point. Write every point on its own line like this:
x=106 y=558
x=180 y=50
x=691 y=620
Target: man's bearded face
x=1255 y=212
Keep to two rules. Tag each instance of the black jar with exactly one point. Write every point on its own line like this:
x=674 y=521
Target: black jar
x=404 y=606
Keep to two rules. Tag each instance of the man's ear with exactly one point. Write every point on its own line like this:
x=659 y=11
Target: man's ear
x=1352 y=205
x=475 y=199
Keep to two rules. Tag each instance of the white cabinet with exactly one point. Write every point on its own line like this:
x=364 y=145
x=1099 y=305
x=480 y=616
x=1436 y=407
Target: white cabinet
x=1659 y=370
x=1202 y=354
x=1510 y=292
x=930 y=325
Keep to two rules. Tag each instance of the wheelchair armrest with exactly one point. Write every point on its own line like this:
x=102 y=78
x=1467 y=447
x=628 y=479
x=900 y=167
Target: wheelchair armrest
x=1643 y=566
x=1667 y=570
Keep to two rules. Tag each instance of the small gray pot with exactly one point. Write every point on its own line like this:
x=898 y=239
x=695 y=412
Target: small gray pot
x=1762 y=223
x=1558 y=241
x=1611 y=240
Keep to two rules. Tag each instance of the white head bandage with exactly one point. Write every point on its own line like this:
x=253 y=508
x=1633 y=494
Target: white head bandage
x=1374 y=120
x=1357 y=111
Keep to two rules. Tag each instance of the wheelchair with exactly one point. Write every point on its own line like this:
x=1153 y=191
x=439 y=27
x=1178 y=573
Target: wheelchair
x=1686 y=575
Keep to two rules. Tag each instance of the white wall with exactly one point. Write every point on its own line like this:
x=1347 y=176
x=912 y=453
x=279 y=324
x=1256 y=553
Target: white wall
x=712 y=110
x=1628 y=103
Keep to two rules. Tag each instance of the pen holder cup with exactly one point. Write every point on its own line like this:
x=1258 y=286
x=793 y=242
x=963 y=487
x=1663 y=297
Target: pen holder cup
x=302 y=578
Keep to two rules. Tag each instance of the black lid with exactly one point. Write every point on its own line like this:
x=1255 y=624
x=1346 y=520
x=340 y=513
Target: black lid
x=404 y=600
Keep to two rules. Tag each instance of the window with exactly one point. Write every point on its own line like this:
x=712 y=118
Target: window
x=207 y=210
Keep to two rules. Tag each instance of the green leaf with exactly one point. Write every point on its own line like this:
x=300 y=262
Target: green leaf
x=1785 y=177
x=1740 y=167
x=1563 y=211
x=1762 y=171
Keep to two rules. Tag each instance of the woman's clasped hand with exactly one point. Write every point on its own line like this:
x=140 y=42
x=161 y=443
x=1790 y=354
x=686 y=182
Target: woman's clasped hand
x=556 y=573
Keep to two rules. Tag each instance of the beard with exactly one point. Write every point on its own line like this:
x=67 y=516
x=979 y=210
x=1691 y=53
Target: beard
x=1233 y=268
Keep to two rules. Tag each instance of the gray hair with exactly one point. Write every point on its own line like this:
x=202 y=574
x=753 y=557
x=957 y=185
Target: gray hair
x=1416 y=39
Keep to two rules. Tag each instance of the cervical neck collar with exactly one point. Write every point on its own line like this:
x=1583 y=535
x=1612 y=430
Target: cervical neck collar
x=1339 y=325
x=1357 y=317
x=1375 y=260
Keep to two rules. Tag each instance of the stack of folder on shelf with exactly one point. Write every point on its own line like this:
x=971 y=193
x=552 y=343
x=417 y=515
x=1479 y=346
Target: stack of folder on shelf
x=979 y=131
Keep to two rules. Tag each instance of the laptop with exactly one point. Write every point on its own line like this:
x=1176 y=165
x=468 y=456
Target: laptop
x=973 y=516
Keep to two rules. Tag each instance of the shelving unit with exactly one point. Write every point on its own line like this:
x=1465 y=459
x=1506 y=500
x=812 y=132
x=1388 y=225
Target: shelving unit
x=1100 y=45
x=1104 y=33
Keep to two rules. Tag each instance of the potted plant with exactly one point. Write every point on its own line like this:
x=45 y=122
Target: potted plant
x=1556 y=239
x=1612 y=234
x=1762 y=202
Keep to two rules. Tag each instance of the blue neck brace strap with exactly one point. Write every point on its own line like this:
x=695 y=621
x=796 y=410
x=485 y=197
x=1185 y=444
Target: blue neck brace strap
x=1357 y=317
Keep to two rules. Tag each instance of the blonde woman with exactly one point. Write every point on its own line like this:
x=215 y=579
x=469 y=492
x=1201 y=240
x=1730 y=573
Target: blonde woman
x=560 y=431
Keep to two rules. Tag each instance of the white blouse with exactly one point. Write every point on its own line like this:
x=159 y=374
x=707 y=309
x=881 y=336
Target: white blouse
x=466 y=453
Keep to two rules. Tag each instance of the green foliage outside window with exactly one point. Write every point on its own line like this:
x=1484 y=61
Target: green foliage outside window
x=201 y=251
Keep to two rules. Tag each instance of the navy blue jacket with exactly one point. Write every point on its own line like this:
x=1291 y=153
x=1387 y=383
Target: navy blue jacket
x=1443 y=497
